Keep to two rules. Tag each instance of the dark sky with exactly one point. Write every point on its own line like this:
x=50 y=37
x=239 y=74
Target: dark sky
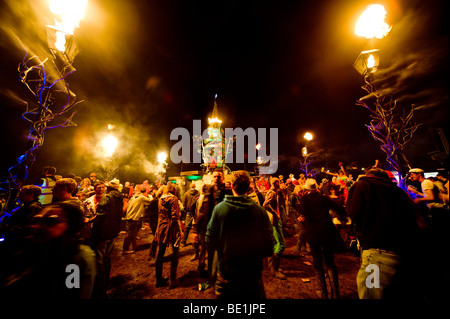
x=151 y=66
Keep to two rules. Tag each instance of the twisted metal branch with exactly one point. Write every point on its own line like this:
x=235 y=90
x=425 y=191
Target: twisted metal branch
x=33 y=74
x=393 y=131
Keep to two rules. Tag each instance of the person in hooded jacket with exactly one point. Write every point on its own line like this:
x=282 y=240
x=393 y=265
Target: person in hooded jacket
x=242 y=234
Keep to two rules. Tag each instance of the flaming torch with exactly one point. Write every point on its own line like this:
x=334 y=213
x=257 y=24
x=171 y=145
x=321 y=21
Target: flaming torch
x=371 y=24
x=392 y=128
x=47 y=83
x=70 y=12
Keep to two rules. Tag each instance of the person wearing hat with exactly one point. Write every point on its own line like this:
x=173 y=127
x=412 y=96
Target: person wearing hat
x=105 y=229
x=321 y=234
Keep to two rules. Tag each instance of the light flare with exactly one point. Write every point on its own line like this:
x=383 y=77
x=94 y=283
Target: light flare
x=371 y=23
x=162 y=156
x=70 y=13
x=304 y=151
x=370 y=61
x=109 y=144
x=214 y=120
x=308 y=136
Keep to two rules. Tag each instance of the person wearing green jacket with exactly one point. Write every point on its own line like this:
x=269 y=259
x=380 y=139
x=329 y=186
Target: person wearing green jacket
x=241 y=232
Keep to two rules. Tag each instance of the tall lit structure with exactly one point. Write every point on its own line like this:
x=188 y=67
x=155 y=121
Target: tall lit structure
x=213 y=153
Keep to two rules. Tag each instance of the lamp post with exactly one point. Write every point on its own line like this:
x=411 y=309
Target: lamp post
x=308 y=137
x=47 y=82
x=258 y=160
x=389 y=128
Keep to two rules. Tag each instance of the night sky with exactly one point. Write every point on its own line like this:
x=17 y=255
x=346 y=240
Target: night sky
x=151 y=66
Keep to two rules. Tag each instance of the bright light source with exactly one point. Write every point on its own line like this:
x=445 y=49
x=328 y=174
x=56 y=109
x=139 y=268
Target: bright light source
x=367 y=61
x=162 y=156
x=304 y=151
x=370 y=61
x=308 y=136
x=214 y=120
x=70 y=13
x=371 y=23
x=109 y=144
x=258 y=146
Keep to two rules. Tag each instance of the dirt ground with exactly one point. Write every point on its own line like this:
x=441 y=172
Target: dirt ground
x=132 y=276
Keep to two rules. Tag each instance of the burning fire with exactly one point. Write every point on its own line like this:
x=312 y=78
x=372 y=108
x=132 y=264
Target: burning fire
x=70 y=13
x=370 y=61
x=371 y=24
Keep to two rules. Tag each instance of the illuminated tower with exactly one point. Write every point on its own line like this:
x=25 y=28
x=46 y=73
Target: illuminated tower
x=214 y=146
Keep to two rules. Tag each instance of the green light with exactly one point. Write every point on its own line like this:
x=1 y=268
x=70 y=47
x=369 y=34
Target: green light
x=194 y=177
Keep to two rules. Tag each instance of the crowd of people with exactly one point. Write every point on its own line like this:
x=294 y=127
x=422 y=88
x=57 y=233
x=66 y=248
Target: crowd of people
x=236 y=226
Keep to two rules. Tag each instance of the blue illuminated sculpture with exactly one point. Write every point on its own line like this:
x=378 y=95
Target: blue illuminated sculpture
x=53 y=106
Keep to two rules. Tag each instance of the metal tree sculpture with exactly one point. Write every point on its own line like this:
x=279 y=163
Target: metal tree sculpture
x=53 y=108
x=46 y=80
x=389 y=126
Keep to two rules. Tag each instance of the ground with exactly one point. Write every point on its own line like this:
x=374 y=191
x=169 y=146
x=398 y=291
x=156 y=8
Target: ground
x=132 y=276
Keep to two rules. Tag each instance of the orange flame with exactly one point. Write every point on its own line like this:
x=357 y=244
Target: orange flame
x=371 y=24
x=70 y=13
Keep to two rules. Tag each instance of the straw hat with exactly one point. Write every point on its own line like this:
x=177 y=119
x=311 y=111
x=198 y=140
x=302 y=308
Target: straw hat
x=310 y=184
x=115 y=183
